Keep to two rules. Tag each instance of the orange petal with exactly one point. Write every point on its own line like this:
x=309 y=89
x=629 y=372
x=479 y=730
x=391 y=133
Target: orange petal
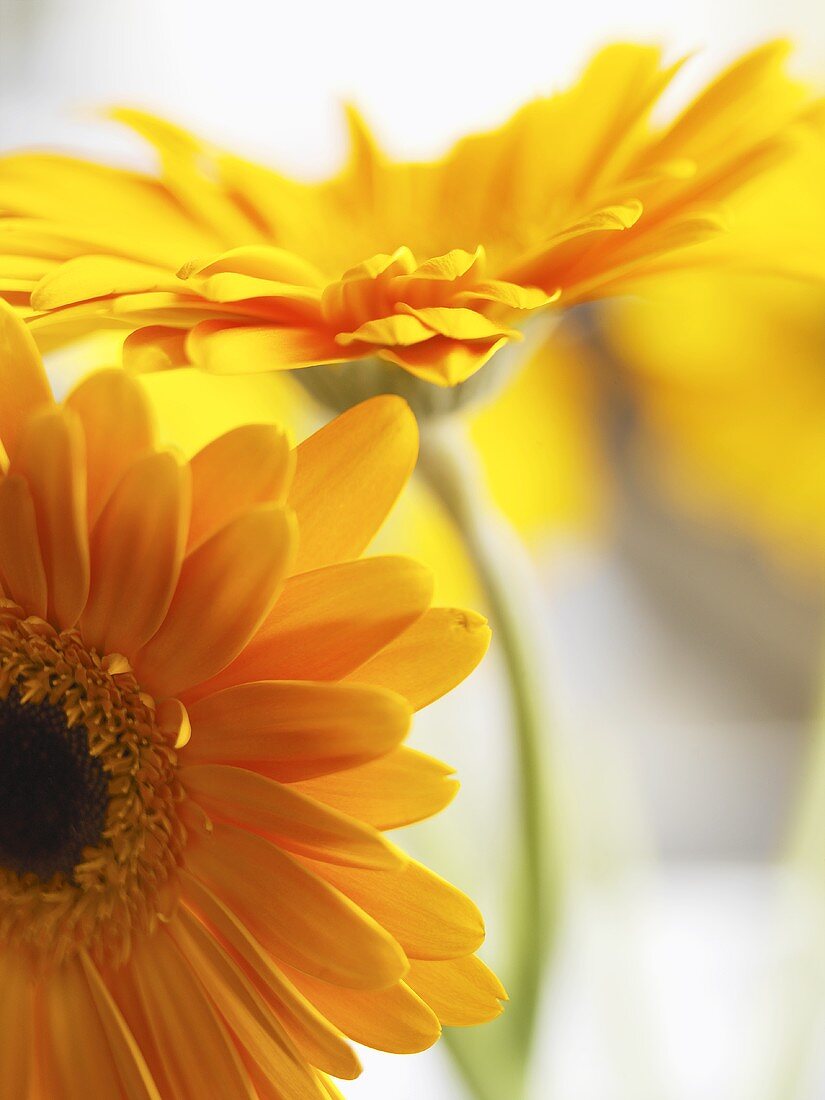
x=21 y=564
x=425 y=662
x=394 y=1019
x=295 y=914
x=397 y=789
x=51 y=457
x=461 y=992
x=75 y=1061
x=18 y=1057
x=198 y=1054
x=134 y=1074
x=292 y=730
x=244 y=1011
x=251 y=465
x=117 y=423
x=23 y=381
x=322 y=1044
x=348 y=476
x=226 y=588
x=430 y=918
x=136 y=555
x=290 y=819
x=328 y=622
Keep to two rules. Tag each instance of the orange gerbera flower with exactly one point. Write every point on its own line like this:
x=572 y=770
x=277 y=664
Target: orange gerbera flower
x=430 y=266
x=201 y=727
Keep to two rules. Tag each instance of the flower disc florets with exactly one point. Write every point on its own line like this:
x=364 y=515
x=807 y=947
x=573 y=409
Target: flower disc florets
x=107 y=768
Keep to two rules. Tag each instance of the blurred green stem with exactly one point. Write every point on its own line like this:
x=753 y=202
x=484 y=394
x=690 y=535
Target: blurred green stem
x=494 y=1059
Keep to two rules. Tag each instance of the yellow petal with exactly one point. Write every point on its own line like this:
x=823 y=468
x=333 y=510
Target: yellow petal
x=243 y=349
x=87 y=277
x=51 y=457
x=289 y=818
x=295 y=914
x=23 y=381
x=244 y=1011
x=293 y=730
x=226 y=588
x=328 y=622
x=258 y=262
x=136 y=555
x=430 y=658
x=397 y=789
x=155 y=348
x=461 y=992
x=348 y=476
x=251 y=465
x=21 y=563
x=428 y=916
x=400 y=329
x=198 y=1055
x=118 y=427
x=442 y=361
x=458 y=323
x=322 y=1044
x=394 y=1019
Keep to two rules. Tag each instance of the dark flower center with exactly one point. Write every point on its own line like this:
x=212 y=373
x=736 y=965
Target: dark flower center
x=53 y=792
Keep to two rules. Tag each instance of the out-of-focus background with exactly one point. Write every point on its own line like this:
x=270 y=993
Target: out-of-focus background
x=683 y=653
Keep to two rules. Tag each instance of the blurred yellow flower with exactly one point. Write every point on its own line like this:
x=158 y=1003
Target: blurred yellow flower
x=727 y=368
x=432 y=266
x=202 y=728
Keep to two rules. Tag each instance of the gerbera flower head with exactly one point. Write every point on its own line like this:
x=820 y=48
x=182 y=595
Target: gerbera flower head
x=432 y=267
x=201 y=739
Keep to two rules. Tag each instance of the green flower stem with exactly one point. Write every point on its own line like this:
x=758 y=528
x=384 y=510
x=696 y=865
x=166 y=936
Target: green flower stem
x=494 y=1059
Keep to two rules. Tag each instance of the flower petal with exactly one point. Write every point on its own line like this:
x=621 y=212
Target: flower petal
x=292 y=730
x=296 y=915
x=21 y=563
x=287 y=817
x=87 y=277
x=196 y=1050
x=428 y=916
x=244 y=1011
x=74 y=1058
x=328 y=622
x=461 y=992
x=223 y=348
x=430 y=658
x=348 y=476
x=322 y=1044
x=395 y=1020
x=52 y=459
x=397 y=789
x=18 y=1058
x=118 y=426
x=250 y=465
x=136 y=555
x=134 y=1074
x=226 y=588
x=23 y=381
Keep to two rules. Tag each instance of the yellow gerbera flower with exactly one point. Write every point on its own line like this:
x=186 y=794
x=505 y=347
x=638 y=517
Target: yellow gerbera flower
x=735 y=407
x=431 y=266
x=201 y=727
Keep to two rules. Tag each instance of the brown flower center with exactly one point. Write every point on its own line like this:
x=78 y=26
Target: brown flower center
x=53 y=792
